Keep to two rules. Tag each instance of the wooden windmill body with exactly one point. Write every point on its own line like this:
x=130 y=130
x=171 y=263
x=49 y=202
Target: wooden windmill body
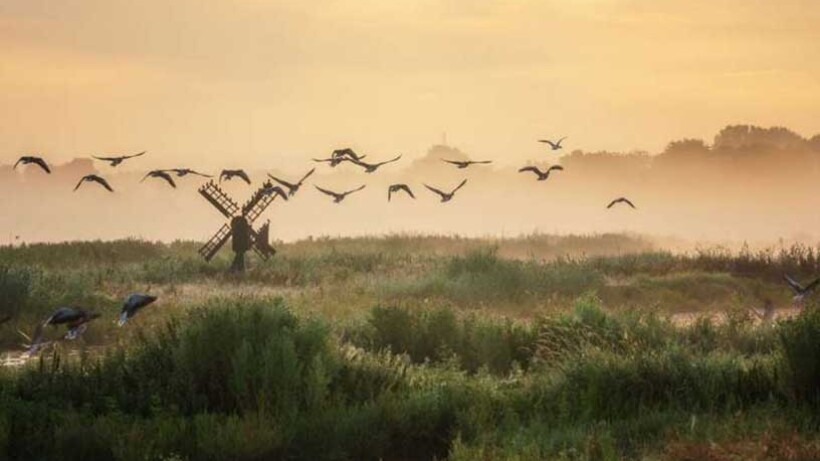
x=240 y=228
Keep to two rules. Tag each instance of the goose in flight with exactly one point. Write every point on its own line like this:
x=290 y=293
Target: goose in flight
x=73 y=318
x=446 y=197
x=94 y=178
x=270 y=189
x=340 y=155
x=227 y=175
x=371 y=167
x=114 y=161
x=399 y=187
x=292 y=187
x=162 y=174
x=462 y=164
x=542 y=175
x=28 y=159
x=621 y=200
x=800 y=291
x=555 y=145
x=180 y=172
x=767 y=313
x=133 y=303
x=339 y=196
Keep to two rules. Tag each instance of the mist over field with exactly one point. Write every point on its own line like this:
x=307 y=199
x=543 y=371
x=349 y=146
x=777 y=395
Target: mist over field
x=747 y=184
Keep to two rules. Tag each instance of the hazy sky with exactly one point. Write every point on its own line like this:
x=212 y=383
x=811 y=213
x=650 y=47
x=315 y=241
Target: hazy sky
x=257 y=82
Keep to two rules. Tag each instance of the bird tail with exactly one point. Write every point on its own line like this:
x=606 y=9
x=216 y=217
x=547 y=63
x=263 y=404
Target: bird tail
x=123 y=319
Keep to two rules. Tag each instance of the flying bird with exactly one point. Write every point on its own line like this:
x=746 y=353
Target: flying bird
x=292 y=187
x=94 y=178
x=275 y=190
x=133 y=303
x=767 y=313
x=371 y=167
x=555 y=145
x=346 y=152
x=340 y=155
x=461 y=164
x=339 y=196
x=446 y=197
x=72 y=317
x=227 y=175
x=800 y=291
x=162 y=174
x=114 y=161
x=620 y=200
x=180 y=172
x=28 y=159
x=542 y=175
x=399 y=187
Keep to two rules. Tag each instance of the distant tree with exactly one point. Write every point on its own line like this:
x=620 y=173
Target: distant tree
x=686 y=147
x=737 y=137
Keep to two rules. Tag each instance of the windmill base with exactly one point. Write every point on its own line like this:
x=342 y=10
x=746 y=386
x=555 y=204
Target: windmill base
x=238 y=264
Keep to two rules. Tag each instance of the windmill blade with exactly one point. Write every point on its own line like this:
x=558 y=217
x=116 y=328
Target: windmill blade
x=215 y=243
x=219 y=199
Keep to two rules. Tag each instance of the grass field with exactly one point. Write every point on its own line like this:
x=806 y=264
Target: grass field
x=406 y=347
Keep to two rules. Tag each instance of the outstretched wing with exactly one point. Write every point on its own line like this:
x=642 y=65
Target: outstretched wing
x=103 y=183
x=306 y=176
x=282 y=181
x=325 y=191
x=547 y=141
x=452 y=162
x=17 y=163
x=132 y=156
x=355 y=190
x=41 y=163
x=436 y=190
x=459 y=187
x=406 y=188
x=320 y=160
x=168 y=178
x=531 y=168
x=556 y=167
x=201 y=174
x=395 y=159
x=483 y=162
x=82 y=180
x=106 y=159
x=612 y=203
x=628 y=202
x=244 y=176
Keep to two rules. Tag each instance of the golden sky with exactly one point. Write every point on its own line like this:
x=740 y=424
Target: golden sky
x=256 y=83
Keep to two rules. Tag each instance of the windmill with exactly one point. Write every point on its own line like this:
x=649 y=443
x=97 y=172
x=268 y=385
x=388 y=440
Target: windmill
x=239 y=230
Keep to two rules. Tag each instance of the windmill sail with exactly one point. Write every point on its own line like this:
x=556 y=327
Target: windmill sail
x=257 y=204
x=215 y=243
x=219 y=199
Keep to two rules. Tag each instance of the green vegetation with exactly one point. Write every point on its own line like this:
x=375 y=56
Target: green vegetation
x=400 y=348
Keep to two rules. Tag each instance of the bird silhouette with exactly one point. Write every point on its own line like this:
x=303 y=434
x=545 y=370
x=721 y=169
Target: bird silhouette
x=162 y=174
x=555 y=145
x=542 y=175
x=275 y=190
x=767 y=313
x=292 y=187
x=339 y=196
x=371 y=167
x=446 y=197
x=340 y=155
x=75 y=319
x=800 y=291
x=620 y=200
x=227 y=175
x=399 y=187
x=114 y=161
x=461 y=164
x=180 y=172
x=94 y=178
x=132 y=304
x=29 y=159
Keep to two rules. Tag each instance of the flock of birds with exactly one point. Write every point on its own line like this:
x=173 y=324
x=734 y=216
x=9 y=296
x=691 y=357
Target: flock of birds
x=76 y=319
x=336 y=158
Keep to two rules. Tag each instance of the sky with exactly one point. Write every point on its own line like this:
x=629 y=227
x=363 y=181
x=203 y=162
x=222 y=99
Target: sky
x=262 y=83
